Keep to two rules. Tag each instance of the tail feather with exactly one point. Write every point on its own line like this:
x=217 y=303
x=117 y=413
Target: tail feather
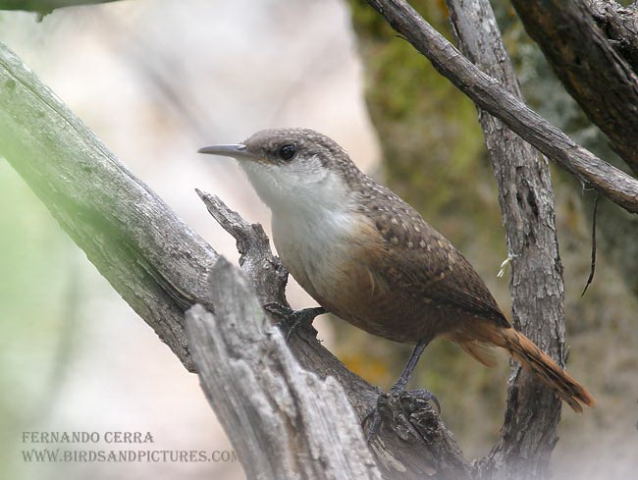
x=479 y=350
x=532 y=357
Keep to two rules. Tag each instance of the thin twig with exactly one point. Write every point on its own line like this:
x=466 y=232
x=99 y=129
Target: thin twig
x=593 y=246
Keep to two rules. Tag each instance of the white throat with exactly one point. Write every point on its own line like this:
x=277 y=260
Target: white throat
x=299 y=192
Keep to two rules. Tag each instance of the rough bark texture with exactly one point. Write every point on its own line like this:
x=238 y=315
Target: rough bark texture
x=527 y=204
x=595 y=74
x=488 y=94
x=161 y=268
x=620 y=25
x=283 y=421
x=267 y=274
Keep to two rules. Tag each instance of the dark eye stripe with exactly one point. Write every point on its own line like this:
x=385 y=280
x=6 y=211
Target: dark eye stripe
x=286 y=152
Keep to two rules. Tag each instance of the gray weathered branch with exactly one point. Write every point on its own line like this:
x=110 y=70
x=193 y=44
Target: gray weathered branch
x=267 y=274
x=135 y=240
x=527 y=204
x=595 y=74
x=162 y=268
x=491 y=96
x=283 y=421
x=620 y=25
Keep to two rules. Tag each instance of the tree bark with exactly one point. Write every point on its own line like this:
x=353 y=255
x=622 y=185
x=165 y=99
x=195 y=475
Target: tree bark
x=620 y=25
x=488 y=94
x=527 y=204
x=283 y=421
x=597 y=76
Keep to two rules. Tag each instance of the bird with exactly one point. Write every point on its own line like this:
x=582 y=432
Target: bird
x=368 y=257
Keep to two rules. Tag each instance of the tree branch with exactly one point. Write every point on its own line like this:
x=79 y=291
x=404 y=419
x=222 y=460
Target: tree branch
x=162 y=268
x=135 y=240
x=620 y=25
x=284 y=422
x=593 y=72
x=490 y=95
x=266 y=273
x=527 y=204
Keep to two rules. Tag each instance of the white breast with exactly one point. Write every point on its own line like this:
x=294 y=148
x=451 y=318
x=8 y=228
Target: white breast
x=315 y=246
x=313 y=232
x=313 y=221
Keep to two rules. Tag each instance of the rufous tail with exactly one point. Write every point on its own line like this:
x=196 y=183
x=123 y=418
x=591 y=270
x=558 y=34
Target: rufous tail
x=532 y=357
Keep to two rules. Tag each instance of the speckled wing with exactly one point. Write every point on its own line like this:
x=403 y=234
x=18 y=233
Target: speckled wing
x=422 y=264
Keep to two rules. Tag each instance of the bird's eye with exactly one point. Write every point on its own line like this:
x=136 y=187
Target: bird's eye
x=286 y=152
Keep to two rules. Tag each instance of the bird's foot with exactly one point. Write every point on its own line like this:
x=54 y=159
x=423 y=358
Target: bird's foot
x=291 y=320
x=372 y=420
x=428 y=396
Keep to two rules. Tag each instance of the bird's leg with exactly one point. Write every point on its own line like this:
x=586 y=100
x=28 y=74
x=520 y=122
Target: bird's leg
x=404 y=378
x=291 y=319
x=399 y=386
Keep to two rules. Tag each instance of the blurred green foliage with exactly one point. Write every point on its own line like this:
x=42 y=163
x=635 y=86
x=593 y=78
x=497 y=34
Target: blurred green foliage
x=34 y=280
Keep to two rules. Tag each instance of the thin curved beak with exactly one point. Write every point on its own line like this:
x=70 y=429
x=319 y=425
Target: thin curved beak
x=237 y=150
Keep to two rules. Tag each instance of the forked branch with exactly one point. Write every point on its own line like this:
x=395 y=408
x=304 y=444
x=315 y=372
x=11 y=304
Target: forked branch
x=490 y=95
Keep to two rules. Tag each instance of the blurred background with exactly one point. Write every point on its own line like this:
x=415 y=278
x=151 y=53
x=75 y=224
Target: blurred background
x=158 y=79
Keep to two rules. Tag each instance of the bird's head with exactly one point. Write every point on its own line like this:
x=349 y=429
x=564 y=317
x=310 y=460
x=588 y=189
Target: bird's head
x=293 y=168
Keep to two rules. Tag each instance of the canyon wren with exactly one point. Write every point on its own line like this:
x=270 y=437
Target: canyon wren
x=370 y=259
